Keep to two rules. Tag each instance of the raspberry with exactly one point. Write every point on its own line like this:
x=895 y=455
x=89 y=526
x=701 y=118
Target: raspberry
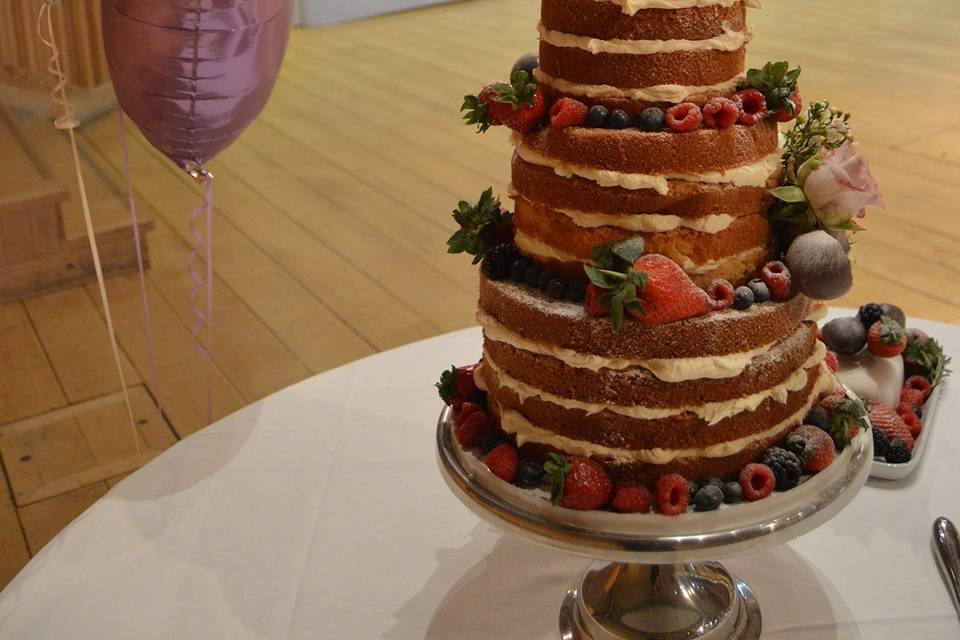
x=673 y=494
x=757 y=481
x=631 y=498
x=777 y=277
x=833 y=362
x=753 y=106
x=567 y=112
x=913 y=397
x=721 y=113
x=920 y=383
x=908 y=407
x=913 y=423
x=721 y=294
x=502 y=462
x=685 y=116
x=471 y=431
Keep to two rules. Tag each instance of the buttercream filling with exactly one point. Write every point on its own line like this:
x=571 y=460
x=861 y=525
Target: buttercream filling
x=711 y=412
x=818 y=312
x=650 y=222
x=526 y=432
x=675 y=93
x=666 y=369
x=693 y=268
x=755 y=174
x=630 y=7
x=729 y=40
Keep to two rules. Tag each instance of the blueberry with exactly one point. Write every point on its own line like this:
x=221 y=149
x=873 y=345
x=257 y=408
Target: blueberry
x=711 y=482
x=896 y=313
x=543 y=280
x=880 y=443
x=898 y=452
x=518 y=270
x=817 y=416
x=732 y=492
x=576 y=291
x=527 y=62
x=490 y=441
x=556 y=288
x=597 y=116
x=529 y=473
x=709 y=498
x=652 y=119
x=846 y=336
x=761 y=292
x=532 y=275
x=743 y=298
x=619 y=119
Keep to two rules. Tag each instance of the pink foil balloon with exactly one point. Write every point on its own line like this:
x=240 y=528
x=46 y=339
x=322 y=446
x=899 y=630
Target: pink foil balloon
x=192 y=74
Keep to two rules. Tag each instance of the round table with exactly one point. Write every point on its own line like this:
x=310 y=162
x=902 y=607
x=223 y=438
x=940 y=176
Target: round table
x=319 y=512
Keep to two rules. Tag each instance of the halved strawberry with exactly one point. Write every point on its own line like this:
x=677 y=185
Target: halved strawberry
x=670 y=294
x=885 y=419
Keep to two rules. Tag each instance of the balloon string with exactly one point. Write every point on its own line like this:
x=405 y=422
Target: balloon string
x=68 y=121
x=144 y=298
x=203 y=317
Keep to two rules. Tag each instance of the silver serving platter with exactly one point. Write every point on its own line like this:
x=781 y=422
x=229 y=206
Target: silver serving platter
x=659 y=585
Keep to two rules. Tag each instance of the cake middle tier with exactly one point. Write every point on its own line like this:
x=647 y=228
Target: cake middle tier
x=699 y=198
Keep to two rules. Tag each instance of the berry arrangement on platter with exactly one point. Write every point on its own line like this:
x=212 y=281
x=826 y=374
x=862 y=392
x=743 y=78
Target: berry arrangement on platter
x=581 y=483
x=893 y=368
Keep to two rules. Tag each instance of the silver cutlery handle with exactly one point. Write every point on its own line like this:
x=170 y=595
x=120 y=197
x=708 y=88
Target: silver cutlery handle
x=947 y=544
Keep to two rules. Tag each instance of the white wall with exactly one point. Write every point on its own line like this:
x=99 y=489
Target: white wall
x=311 y=13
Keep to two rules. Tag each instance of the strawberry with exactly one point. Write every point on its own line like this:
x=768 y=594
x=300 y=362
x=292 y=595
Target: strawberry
x=593 y=304
x=518 y=104
x=912 y=421
x=721 y=113
x=673 y=494
x=785 y=115
x=753 y=106
x=846 y=417
x=466 y=387
x=477 y=108
x=921 y=384
x=777 y=277
x=470 y=432
x=833 y=362
x=579 y=483
x=685 y=116
x=630 y=498
x=669 y=295
x=757 y=481
x=721 y=294
x=886 y=338
x=885 y=419
x=465 y=410
x=820 y=451
x=913 y=397
x=567 y=112
x=503 y=461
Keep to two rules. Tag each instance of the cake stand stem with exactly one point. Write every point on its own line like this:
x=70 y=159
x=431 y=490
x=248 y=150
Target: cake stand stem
x=695 y=601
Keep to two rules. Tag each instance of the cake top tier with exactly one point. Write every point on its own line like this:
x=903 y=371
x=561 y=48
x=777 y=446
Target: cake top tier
x=631 y=53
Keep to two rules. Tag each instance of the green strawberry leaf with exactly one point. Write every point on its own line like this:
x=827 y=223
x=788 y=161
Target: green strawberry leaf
x=776 y=81
x=890 y=331
x=479 y=226
x=556 y=469
x=928 y=355
x=447 y=385
x=845 y=417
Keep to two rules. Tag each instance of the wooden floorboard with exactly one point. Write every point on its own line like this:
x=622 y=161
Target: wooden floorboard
x=332 y=210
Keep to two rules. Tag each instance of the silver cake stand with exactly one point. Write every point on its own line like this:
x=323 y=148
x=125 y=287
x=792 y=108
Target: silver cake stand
x=660 y=584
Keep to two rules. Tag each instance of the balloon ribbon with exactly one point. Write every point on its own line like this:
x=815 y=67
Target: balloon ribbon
x=203 y=317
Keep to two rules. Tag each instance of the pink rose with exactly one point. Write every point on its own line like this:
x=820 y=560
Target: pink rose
x=842 y=186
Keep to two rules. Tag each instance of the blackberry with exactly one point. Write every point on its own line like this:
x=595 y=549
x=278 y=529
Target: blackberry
x=797 y=445
x=556 y=288
x=532 y=275
x=817 y=416
x=597 y=117
x=732 y=492
x=880 y=443
x=543 y=280
x=743 y=298
x=709 y=498
x=529 y=473
x=652 y=119
x=576 y=291
x=490 y=441
x=898 y=452
x=761 y=292
x=870 y=313
x=786 y=467
x=498 y=261
x=619 y=119
x=518 y=270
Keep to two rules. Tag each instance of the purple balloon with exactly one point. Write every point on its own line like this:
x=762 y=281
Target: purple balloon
x=192 y=74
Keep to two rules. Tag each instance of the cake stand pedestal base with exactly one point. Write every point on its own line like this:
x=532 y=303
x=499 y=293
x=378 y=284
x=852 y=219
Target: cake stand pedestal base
x=625 y=601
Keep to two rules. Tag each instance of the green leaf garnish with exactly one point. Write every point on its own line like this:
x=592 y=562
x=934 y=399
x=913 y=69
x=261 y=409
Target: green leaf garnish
x=928 y=355
x=479 y=226
x=776 y=81
x=848 y=415
x=620 y=291
x=890 y=331
x=557 y=468
x=619 y=256
x=447 y=385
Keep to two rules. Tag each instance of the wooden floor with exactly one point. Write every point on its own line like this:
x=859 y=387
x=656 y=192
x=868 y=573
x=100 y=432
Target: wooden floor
x=332 y=212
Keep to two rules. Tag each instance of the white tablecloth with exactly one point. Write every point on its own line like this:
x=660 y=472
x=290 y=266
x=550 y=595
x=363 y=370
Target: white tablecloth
x=319 y=513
